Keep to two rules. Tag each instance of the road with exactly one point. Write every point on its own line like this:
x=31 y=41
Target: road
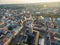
x=44 y=32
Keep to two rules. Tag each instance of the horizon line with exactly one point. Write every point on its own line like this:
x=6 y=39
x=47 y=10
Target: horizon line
x=28 y=3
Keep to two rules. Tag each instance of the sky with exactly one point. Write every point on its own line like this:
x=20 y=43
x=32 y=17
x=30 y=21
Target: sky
x=25 y=1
